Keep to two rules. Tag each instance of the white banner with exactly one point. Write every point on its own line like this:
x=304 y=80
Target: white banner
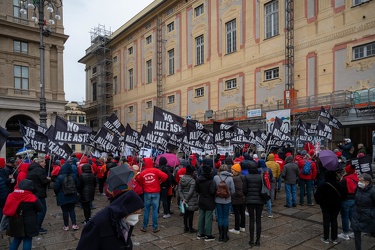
x=283 y=114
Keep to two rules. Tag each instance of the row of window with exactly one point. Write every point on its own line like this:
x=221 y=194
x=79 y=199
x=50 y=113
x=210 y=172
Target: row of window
x=73 y=118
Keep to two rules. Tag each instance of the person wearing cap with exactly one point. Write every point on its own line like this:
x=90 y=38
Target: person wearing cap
x=22 y=200
x=363 y=219
x=348 y=183
x=238 y=200
x=346 y=148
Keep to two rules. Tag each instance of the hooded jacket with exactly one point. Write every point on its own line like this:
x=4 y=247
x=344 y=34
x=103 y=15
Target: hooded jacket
x=87 y=184
x=273 y=165
x=150 y=178
x=22 y=172
x=252 y=186
x=290 y=171
x=363 y=219
x=205 y=189
x=313 y=173
x=329 y=195
x=103 y=231
x=38 y=175
x=229 y=181
x=238 y=198
x=61 y=198
x=245 y=164
x=186 y=190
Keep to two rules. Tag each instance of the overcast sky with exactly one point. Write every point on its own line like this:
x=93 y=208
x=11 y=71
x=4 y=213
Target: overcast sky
x=80 y=17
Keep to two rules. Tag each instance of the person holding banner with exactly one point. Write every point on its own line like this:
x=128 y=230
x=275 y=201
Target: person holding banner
x=10 y=171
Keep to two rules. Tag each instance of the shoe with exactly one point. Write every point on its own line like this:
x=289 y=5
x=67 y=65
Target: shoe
x=75 y=227
x=343 y=236
x=325 y=240
x=192 y=230
x=201 y=236
x=242 y=229
x=42 y=231
x=286 y=206
x=335 y=242
x=301 y=204
x=186 y=229
x=65 y=228
x=294 y=205
x=246 y=213
x=312 y=204
x=257 y=242
x=156 y=230
x=270 y=216
x=351 y=235
x=143 y=230
x=251 y=243
x=234 y=231
x=166 y=216
x=209 y=238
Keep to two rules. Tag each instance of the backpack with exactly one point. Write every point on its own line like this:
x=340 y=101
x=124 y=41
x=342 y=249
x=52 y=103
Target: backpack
x=69 y=186
x=266 y=179
x=222 y=189
x=306 y=168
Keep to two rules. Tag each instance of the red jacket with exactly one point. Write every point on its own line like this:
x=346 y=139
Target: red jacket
x=280 y=161
x=150 y=178
x=313 y=172
x=22 y=172
x=181 y=172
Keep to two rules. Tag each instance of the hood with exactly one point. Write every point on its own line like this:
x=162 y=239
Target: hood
x=86 y=168
x=26 y=184
x=125 y=204
x=271 y=157
x=84 y=160
x=33 y=165
x=66 y=169
x=289 y=159
x=162 y=161
x=253 y=168
x=262 y=163
x=148 y=163
x=246 y=156
x=23 y=167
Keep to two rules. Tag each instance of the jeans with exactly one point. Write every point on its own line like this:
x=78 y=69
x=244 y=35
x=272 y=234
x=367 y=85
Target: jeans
x=305 y=185
x=68 y=210
x=269 y=207
x=258 y=213
x=205 y=222
x=151 y=199
x=291 y=194
x=42 y=213
x=347 y=207
x=330 y=220
x=222 y=214
x=239 y=216
x=279 y=183
x=27 y=241
x=164 y=200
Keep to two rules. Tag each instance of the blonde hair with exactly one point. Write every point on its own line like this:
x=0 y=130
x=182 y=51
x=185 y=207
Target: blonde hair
x=223 y=167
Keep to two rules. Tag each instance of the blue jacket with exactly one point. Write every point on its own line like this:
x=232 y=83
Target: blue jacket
x=61 y=198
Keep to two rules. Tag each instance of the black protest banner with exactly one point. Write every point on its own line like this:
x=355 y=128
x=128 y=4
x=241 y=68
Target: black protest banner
x=311 y=128
x=251 y=137
x=57 y=148
x=167 y=122
x=281 y=130
x=114 y=124
x=194 y=130
x=108 y=140
x=142 y=135
x=174 y=141
x=332 y=121
x=240 y=138
x=223 y=131
x=131 y=137
x=261 y=138
x=324 y=131
x=363 y=165
x=274 y=141
x=198 y=136
x=35 y=126
x=34 y=139
x=71 y=132
x=4 y=134
x=93 y=144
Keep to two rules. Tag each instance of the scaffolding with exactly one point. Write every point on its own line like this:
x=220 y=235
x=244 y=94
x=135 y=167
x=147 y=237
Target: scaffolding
x=100 y=38
x=289 y=44
x=159 y=65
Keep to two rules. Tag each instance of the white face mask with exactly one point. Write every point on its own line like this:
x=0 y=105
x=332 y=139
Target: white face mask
x=132 y=219
x=361 y=184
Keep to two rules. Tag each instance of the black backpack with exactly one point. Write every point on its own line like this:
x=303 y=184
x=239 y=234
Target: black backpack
x=69 y=186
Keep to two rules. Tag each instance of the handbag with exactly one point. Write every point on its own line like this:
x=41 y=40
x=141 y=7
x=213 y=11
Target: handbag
x=182 y=207
x=265 y=193
x=16 y=226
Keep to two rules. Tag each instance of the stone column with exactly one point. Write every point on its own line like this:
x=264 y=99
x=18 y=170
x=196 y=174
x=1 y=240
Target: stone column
x=47 y=69
x=60 y=70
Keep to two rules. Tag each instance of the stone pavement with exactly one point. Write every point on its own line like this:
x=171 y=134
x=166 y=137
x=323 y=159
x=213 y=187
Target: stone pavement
x=297 y=228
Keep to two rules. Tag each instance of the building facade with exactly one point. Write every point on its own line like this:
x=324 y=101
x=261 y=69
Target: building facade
x=218 y=60
x=20 y=70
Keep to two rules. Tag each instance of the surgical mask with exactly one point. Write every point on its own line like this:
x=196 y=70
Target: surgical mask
x=132 y=219
x=361 y=184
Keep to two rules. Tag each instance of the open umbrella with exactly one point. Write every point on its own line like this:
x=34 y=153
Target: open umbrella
x=119 y=176
x=172 y=159
x=328 y=159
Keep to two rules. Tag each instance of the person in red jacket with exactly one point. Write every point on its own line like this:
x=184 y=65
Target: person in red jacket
x=281 y=163
x=306 y=180
x=22 y=172
x=150 y=179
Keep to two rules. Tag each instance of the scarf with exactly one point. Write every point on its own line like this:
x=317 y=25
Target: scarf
x=15 y=198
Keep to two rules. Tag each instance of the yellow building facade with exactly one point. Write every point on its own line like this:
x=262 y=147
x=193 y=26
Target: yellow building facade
x=233 y=56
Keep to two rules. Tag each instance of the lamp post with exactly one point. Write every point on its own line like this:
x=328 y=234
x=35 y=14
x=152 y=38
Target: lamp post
x=44 y=30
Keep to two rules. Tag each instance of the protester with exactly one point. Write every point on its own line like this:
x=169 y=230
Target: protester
x=205 y=189
x=22 y=203
x=361 y=149
x=11 y=173
x=22 y=172
x=101 y=174
x=166 y=186
x=306 y=179
x=347 y=148
x=112 y=227
x=275 y=167
x=262 y=168
x=290 y=175
x=66 y=201
x=150 y=179
x=223 y=204
x=238 y=201
x=37 y=174
x=135 y=186
x=252 y=187
x=329 y=196
x=189 y=198
x=56 y=168
x=364 y=210
x=87 y=182
x=3 y=189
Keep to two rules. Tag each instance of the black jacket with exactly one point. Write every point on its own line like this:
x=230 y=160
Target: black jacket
x=238 y=198
x=87 y=182
x=330 y=194
x=38 y=176
x=102 y=231
x=252 y=186
x=363 y=219
x=206 y=192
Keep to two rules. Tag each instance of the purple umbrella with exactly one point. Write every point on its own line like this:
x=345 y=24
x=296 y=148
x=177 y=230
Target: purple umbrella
x=328 y=159
x=172 y=159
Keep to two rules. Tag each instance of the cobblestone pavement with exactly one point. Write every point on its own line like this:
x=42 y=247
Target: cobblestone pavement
x=296 y=228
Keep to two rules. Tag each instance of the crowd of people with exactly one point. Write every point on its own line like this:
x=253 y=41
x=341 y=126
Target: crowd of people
x=212 y=187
